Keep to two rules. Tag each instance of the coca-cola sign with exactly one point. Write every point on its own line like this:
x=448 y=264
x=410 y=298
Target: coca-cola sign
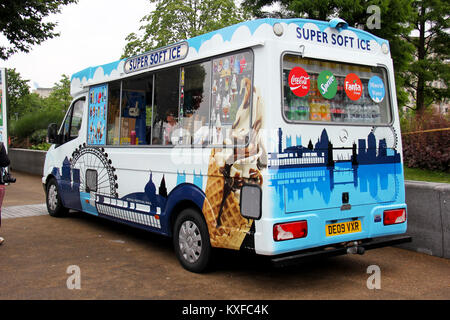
x=299 y=81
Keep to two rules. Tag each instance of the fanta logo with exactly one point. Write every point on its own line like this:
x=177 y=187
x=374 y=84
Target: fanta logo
x=353 y=86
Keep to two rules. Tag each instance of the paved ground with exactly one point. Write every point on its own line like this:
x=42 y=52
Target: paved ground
x=27 y=210
x=118 y=262
x=27 y=190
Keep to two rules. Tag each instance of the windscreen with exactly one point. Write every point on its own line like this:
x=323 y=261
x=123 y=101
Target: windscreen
x=317 y=90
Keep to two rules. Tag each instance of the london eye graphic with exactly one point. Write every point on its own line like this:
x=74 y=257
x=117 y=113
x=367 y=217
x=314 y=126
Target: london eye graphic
x=96 y=171
x=388 y=134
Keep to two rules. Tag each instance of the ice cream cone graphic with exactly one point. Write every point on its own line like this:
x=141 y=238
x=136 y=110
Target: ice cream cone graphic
x=228 y=169
x=232 y=226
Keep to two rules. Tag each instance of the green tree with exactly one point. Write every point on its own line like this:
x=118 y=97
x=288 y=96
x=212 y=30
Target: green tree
x=311 y=9
x=175 y=20
x=60 y=98
x=17 y=87
x=395 y=17
x=36 y=113
x=417 y=31
x=21 y=101
x=21 y=23
x=18 y=91
x=428 y=76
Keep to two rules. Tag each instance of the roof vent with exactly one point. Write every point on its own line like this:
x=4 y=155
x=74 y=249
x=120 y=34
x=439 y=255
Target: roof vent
x=338 y=24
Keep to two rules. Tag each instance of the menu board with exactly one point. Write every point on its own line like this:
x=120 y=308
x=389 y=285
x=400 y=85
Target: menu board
x=98 y=102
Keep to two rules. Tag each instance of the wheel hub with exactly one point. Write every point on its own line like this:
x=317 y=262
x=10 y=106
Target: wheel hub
x=190 y=241
x=52 y=197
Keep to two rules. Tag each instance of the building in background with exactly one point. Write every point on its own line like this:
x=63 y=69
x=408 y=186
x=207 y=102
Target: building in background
x=43 y=92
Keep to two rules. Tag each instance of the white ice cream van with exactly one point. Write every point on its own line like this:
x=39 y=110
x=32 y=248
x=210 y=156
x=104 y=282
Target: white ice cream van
x=277 y=136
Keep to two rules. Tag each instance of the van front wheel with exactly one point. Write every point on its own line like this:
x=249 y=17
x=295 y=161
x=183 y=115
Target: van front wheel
x=191 y=241
x=54 y=204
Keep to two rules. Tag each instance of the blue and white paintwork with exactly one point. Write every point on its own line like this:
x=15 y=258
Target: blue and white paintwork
x=291 y=192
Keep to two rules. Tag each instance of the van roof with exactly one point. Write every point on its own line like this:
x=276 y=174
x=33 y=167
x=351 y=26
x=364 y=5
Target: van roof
x=114 y=70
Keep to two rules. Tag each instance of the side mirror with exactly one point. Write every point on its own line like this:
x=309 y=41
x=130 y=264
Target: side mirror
x=52 y=133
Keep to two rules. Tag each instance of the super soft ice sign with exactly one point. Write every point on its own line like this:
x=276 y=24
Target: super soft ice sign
x=334 y=39
x=154 y=58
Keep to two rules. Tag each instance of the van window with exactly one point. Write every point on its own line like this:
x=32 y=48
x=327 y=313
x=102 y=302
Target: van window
x=316 y=90
x=195 y=96
x=231 y=95
x=165 y=108
x=198 y=104
x=72 y=122
x=77 y=116
x=113 y=119
x=136 y=110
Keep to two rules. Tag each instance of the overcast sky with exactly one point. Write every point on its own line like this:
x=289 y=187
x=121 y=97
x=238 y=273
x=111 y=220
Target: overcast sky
x=92 y=33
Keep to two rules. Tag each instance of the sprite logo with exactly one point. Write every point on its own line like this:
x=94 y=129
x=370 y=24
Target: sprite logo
x=327 y=84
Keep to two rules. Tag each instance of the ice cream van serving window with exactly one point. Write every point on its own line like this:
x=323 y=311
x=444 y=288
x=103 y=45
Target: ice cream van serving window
x=323 y=91
x=203 y=103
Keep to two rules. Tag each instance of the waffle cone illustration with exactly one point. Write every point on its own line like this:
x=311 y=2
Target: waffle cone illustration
x=232 y=227
x=229 y=168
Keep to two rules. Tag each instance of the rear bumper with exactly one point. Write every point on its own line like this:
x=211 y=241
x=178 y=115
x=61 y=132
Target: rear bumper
x=331 y=251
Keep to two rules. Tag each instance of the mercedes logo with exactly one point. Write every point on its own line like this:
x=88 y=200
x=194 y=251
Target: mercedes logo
x=343 y=136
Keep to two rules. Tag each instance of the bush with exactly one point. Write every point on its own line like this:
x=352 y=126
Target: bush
x=33 y=123
x=427 y=150
x=41 y=146
x=38 y=136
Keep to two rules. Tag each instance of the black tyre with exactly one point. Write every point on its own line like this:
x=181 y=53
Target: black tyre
x=191 y=241
x=53 y=200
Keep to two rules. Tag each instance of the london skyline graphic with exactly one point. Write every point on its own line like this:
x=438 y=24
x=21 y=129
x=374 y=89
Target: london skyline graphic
x=313 y=177
x=321 y=153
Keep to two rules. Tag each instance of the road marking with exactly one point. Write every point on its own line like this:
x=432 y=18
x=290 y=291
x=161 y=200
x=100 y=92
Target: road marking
x=29 y=210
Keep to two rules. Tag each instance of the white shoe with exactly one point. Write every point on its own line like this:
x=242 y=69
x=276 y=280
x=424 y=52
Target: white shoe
x=1 y=240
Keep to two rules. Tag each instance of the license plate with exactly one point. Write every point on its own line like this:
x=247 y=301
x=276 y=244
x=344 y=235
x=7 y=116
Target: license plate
x=343 y=228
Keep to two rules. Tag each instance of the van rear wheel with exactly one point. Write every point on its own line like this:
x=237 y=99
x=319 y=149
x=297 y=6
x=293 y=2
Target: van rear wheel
x=191 y=241
x=54 y=203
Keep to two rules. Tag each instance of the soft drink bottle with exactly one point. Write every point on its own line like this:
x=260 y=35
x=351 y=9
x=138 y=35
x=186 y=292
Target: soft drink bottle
x=133 y=137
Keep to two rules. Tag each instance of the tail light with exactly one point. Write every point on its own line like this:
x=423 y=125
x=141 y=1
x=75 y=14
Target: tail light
x=394 y=216
x=290 y=230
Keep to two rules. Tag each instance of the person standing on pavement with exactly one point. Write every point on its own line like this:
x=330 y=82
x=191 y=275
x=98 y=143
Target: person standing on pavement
x=4 y=162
